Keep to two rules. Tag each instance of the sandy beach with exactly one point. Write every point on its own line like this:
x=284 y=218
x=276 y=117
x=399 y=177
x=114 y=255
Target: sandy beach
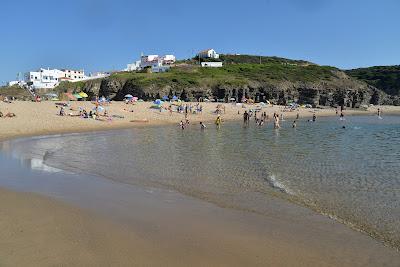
x=42 y=118
x=44 y=231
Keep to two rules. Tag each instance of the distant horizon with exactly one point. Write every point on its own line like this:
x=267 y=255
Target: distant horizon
x=99 y=36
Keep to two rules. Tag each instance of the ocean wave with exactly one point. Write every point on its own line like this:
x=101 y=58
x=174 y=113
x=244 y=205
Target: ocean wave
x=274 y=183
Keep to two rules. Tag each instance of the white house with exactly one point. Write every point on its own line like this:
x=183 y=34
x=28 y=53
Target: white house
x=18 y=83
x=168 y=59
x=50 y=78
x=211 y=64
x=72 y=75
x=43 y=78
x=134 y=66
x=208 y=53
x=149 y=61
x=155 y=62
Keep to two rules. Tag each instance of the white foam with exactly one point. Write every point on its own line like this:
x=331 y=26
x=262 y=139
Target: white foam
x=279 y=185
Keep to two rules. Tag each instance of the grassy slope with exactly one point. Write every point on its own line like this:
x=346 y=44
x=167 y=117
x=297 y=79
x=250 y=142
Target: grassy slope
x=14 y=91
x=386 y=78
x=231 y=74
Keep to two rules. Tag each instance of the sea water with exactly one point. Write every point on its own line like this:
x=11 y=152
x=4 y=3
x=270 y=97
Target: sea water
x=351 y=174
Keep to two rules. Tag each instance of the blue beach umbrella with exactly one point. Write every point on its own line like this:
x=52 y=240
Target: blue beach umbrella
x=174 y=98
x=128 y=96
x=158 y=102
x=165 y=98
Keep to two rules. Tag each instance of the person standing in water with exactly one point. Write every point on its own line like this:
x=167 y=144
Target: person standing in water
x=246 y=117
x=276 y=122
x=379 y=112
x=314 y=117
x=182 y=125
x=203 y=126
x=294 y=125
x=218 y=121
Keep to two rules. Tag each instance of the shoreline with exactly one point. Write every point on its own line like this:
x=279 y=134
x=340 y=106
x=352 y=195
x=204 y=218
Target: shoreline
x=38 y=119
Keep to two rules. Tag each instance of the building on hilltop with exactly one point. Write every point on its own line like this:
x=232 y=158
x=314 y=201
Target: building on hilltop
x=133 y=66
x=43 y=78
x=72 y=75
x=168 y=59
x=155 y=62
x=208 y=53
x=50 y=78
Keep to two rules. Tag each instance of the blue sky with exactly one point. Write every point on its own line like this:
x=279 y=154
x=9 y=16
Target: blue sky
x=101 y=35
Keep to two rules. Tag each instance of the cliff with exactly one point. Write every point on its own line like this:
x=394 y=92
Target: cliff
x=275 y=79
x=385 y=78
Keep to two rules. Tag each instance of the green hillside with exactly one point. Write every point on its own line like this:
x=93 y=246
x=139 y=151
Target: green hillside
x=386 y=78
x=231 y=74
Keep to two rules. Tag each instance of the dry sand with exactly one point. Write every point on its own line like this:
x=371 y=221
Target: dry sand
x=40 y=231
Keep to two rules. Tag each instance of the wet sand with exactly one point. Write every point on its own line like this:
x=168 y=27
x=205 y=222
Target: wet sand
x=110 y=224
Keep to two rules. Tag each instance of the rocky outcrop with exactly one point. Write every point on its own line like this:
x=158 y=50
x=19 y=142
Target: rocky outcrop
x=338 y=90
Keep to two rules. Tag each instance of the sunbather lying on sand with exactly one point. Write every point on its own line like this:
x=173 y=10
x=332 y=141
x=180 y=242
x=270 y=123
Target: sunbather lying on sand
x=10 y=115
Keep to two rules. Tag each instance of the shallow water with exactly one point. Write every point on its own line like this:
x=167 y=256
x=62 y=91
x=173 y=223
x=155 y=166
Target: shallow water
x=351 y=174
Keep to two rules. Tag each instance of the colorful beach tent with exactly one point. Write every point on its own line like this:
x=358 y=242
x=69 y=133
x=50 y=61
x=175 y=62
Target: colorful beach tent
x=83 y=94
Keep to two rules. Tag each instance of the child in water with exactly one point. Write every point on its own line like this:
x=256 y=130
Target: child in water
x=202 y=125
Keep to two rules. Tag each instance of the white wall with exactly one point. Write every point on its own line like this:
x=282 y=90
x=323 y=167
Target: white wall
x=211 y=64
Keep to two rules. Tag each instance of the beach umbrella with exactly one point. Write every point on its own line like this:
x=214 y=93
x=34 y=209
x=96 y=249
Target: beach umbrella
x=83 y=94
x=77 y=96
x=174 y=98
x=165 y=98
x=158 y=102
x=128 y=96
